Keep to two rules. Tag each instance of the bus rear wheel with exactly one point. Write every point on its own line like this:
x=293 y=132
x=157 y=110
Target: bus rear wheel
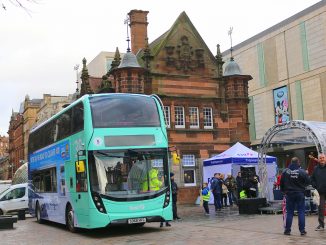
x=70 y=219
x=1 y=212
x=38 y=214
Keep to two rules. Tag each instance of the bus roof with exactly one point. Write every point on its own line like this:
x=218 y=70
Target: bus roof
x=81 y=99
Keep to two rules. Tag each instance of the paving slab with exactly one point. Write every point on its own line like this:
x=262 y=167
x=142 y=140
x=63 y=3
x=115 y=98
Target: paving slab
x=225 y=227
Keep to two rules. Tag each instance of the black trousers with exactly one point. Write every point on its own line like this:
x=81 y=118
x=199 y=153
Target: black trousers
x=321 y=210
x=174 y=209
x=205 y=205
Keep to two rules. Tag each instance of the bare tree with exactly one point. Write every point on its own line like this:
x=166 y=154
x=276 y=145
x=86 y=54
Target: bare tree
x=23 y=4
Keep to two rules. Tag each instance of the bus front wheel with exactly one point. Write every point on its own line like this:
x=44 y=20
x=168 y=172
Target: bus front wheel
x=38 y=214
x=70 y=219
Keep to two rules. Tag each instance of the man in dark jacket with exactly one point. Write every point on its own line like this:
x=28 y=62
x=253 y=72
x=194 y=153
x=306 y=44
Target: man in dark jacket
x=293 y=183
x=232 y=188
x=239 y=181
x=174 y=188
x=216 y=188
x=318 y=181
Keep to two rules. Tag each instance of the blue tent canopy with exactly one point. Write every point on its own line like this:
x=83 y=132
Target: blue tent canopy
x=239 y=154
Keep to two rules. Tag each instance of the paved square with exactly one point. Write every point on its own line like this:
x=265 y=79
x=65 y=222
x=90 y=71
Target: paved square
x=227 y=227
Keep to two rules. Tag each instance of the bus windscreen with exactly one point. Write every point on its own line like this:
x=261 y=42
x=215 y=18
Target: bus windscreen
x=122 y=111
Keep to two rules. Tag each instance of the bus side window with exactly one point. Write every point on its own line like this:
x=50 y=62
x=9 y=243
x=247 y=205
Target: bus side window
x=78 y=118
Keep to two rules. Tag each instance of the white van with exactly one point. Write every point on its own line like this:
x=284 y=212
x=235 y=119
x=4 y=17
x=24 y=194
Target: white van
x=15 y=198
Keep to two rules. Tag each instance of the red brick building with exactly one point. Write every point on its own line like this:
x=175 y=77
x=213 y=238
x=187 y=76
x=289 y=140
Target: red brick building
x=206 y=112
x=16 y=141
x=4 y=146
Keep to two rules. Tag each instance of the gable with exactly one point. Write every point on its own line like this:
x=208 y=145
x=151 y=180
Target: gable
x=181 y=50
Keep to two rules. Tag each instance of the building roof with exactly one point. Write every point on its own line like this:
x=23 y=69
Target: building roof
x=161 y=41
x=278 y=26
x=129 y=60
x=232 y=68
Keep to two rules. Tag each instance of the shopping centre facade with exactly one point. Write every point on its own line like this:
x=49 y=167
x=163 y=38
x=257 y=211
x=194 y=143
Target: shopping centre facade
x=288 y=66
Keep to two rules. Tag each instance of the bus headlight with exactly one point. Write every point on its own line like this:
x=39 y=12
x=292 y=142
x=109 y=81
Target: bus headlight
x=98 y=202
x=167 y=199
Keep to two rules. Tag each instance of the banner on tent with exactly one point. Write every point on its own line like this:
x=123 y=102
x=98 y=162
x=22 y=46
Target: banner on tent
x=236 y=160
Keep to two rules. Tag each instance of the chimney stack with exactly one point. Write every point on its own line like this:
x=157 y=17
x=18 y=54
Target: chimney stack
x=138 y=29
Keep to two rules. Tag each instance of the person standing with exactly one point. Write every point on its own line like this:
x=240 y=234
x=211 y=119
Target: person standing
x=239 y=181
x=224 y=193
x=318 y=181
x=174 y=188
x=232 y=188
x=313 y=162
x=216 y=189
x=294 y=180
x=205 y=193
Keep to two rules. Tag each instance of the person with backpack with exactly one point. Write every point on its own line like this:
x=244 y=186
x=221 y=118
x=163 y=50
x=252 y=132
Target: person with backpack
x=216 y=189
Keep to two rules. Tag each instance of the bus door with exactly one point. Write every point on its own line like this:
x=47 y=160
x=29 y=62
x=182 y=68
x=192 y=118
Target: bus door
x=81 y=196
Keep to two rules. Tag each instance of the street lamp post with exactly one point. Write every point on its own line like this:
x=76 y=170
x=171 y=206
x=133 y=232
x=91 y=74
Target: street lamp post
x=76 y=67
x=12 y=170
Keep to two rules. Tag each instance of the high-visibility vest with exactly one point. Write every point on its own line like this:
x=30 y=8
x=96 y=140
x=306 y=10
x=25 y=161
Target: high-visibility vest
x=207 y=196
x=243 y=194
x=154 y=183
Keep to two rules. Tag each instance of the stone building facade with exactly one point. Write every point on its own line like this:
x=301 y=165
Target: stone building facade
x=5 y=168
x=32 y=113
x=50 y=105
x=31 y=107
x=4 y=146
x=16 y=142
x=206 y=112
x=288 y=66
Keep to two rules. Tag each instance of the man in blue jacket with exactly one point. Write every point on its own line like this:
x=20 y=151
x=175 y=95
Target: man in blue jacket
x=318 y=181
x=216 y=188
x=293 y=183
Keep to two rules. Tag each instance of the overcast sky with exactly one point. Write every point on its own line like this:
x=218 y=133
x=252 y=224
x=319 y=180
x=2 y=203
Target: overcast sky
x=38 y=51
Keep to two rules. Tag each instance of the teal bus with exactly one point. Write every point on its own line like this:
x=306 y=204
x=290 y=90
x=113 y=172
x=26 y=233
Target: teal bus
x=103 y=160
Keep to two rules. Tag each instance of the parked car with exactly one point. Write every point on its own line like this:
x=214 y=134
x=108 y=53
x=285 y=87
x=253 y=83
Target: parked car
x=15 y=198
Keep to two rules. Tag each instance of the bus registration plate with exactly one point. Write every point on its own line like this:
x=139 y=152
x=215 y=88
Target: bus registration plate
x=137 y=220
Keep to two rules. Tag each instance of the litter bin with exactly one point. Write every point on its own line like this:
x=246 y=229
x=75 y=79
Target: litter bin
x=21 y=215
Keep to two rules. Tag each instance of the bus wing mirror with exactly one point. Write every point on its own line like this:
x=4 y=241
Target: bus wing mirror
x=80 y=166
x=81 y=153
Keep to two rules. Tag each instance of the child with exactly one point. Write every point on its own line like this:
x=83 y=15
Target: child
x=205 y=193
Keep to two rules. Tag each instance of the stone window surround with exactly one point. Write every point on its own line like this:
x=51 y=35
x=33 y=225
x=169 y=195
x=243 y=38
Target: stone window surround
x=193 y=117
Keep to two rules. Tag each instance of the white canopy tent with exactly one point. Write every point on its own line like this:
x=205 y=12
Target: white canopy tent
x=230 y=161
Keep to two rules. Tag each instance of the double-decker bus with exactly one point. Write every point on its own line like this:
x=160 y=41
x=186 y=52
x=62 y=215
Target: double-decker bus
x=102 y=160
